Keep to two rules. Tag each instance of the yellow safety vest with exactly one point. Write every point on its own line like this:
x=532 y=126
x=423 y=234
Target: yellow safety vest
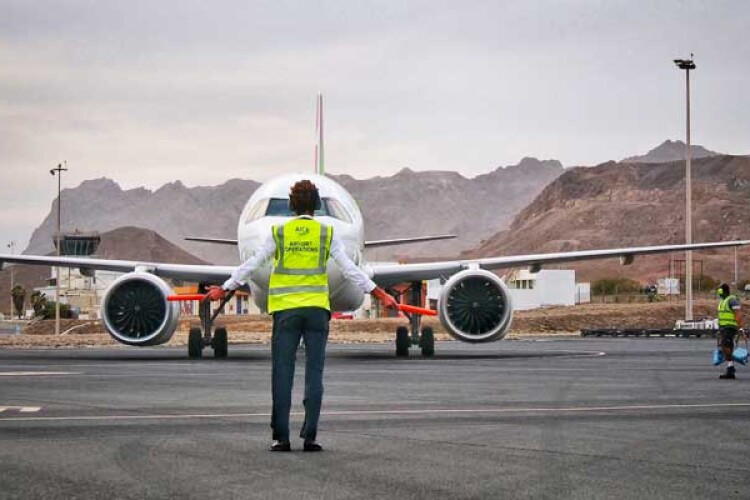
x=726 y=313
x=299 y=276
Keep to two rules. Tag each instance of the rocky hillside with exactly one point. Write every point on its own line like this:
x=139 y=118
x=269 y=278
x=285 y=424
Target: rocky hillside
x=127 y=243
x=670 y=151
x=424 y=203
x=173 y=211
x=406 y=204
x=614 y=204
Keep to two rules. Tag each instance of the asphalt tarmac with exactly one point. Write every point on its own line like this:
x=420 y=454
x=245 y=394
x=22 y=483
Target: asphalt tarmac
x=568 y=418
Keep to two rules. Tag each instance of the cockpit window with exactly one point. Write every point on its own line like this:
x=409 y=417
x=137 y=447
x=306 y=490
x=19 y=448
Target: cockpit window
x=279 y=207
x=256 y=211
x=336 y=209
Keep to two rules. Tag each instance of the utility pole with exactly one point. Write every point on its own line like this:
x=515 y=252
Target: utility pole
x=12 y=246
x=687 y=65
x=60 y=169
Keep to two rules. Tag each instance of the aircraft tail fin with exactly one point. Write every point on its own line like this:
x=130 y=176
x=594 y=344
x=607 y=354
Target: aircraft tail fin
x=319 y=166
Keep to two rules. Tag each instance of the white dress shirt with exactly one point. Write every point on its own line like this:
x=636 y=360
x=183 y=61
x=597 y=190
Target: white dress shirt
x=268 y=249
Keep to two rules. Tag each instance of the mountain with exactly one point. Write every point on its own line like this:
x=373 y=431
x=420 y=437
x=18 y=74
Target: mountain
x=173 y=211
x=406 y=204
x=425 y=203
x=126 y=243
x=669 y=151
x=616 y=205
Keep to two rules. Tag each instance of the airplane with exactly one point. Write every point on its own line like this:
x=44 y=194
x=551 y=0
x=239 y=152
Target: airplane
x=474 y=306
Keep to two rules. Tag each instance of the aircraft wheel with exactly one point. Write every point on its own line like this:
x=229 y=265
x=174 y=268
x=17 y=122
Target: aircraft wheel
x=220 y=343
x=195 y=343
x=402 y=342
x=427 y=342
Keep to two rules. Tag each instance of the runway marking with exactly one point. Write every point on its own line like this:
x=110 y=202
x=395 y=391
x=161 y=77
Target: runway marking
x=354 y=413
x=21 y=409
x=34 y=374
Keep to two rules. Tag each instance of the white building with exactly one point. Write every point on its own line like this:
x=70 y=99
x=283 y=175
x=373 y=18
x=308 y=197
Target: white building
x=83 y=293
x=533 y=290
x=548 y=287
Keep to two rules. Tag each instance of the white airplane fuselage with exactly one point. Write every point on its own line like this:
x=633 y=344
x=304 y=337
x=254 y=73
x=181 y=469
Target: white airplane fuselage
x=268 y=206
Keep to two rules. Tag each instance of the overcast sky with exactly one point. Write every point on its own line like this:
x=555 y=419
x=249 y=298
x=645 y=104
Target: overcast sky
x=148 y=92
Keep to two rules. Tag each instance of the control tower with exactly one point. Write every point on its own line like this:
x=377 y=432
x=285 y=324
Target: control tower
x=77 y=289
x=78 y=244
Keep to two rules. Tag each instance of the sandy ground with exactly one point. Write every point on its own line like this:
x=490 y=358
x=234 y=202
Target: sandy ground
x=256 y=329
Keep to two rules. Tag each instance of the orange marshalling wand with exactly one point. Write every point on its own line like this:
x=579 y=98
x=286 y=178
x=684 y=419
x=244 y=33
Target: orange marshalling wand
x=401 y=307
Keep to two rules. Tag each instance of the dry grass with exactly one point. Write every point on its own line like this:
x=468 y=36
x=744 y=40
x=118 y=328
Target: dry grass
x=256 y=329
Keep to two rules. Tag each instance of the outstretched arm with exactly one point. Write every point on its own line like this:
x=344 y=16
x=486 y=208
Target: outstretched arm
x=356 y=275
x=239 y=276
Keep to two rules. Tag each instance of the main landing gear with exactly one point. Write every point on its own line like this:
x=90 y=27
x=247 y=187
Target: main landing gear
x=198 y=338
x=424 y=337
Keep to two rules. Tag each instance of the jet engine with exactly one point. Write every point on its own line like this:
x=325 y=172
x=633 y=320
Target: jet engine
x=475 y=306
x=135 y=310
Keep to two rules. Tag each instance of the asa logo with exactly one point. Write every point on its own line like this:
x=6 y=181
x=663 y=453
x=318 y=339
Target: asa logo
x=302 y=230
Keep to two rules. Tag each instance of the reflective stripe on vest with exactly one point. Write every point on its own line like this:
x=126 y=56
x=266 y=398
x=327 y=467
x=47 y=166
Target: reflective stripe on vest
x=726 y=314
x=299 y=276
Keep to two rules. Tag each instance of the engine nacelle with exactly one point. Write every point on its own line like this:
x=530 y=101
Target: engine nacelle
x=135 y=310
x=475 y=306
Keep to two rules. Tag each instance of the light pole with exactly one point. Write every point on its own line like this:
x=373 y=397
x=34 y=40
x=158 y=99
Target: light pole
x=59 y=171
x=687 y=65
x=12 y=246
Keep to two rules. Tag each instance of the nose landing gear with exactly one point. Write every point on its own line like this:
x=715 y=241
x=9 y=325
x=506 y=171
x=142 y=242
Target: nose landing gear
x=424 y=337
x=199 y=338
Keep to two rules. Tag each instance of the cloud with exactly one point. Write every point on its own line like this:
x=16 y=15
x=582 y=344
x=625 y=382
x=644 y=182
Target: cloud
x=149 y=92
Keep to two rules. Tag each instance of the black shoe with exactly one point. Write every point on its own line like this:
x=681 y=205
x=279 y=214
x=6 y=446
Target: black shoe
x=312 y=446
x=729 y=374
x=277 y=445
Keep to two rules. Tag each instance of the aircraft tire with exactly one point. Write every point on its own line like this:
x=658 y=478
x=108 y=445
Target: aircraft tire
x=195 y=343
x=427 y=342
x=402 y=342
x=220 y=343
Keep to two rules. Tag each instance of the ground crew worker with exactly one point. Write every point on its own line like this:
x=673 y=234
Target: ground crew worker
x=299 y=302
x=729 y=326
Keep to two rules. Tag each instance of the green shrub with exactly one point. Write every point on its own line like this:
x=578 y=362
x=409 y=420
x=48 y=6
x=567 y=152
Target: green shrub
x=615 y=286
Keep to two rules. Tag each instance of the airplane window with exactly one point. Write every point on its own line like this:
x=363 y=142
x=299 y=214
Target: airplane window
x=256 y=211
x=279 y=207
x=337 y=210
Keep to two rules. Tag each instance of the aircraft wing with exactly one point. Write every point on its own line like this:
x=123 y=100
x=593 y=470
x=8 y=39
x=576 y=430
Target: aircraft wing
x=390 y=274
x=219 y=241
x=368 y=244
x=187 y=272
x=405 y=241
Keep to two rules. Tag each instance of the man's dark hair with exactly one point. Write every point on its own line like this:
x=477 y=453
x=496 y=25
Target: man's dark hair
x=304 y=198
x=724 y=290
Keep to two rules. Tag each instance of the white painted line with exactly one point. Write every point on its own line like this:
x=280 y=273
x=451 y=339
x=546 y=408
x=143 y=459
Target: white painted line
x=34 y=374
x=21 y=409
x=354 y=413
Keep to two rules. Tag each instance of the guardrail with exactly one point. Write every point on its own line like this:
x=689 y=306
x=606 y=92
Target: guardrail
x=10 y=329
x=647 y=332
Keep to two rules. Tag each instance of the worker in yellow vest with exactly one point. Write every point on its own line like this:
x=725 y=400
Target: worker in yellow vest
x=729 y=326
x=298 y=300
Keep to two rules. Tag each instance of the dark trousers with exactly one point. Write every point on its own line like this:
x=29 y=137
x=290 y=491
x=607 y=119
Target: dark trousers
x=310 y=323
x=727 y=335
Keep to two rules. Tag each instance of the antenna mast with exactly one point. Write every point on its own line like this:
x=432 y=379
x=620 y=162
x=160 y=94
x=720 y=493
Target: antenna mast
x=319 y=156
